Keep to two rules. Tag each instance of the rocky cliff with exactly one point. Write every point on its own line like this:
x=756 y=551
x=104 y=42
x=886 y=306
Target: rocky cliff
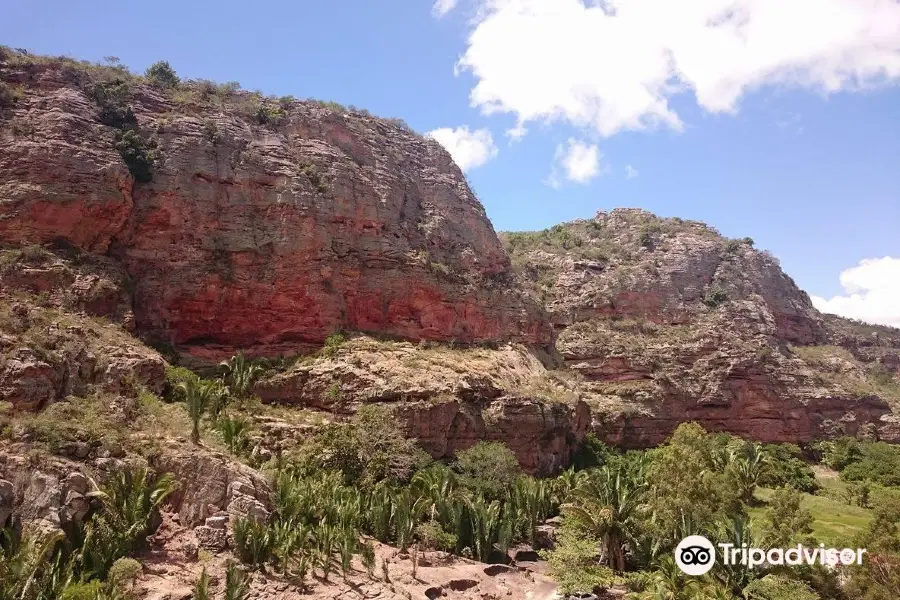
x=667 y=321
x=246 y=222
x=203 y=219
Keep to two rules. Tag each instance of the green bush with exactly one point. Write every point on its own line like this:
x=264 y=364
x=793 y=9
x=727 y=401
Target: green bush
x=162 y=74
x=333 y=343
x=732 y=246
x=111 y=98
x=881 y=374
x=174 y=377
x=592 y=453
x=785 y=467
x=254 y=542
x=9 y=95
x=879 y=462
x=266 y=114
x=124 y=572
x=433 y=537
x=370 y=448
x=838 y=454
x=715 y=297
x=778 y=587
x=878 y=577
x=138 y=153
x=488 y=469
x=314 y=178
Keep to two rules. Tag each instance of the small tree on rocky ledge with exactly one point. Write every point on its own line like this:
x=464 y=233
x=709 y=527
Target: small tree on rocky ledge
x=197 y=396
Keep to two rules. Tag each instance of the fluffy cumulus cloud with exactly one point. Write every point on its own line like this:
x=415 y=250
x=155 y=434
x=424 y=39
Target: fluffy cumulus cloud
x=469 y=149
x=613 y=65
x=442 y=7
x=576 y=161
x=630 y=172
x=872 y=292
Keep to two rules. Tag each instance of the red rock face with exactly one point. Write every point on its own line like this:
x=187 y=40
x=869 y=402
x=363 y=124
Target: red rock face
x=760 y=416
x=542 y=435
x=263 y=237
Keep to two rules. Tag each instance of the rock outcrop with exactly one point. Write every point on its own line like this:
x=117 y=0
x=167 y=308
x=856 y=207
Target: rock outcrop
x=265 y=225
x=205 y=220
x=667 y=321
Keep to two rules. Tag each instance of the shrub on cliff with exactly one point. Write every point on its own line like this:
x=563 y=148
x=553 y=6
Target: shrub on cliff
x=9 y=95
x=138 y=153
x=162 y=74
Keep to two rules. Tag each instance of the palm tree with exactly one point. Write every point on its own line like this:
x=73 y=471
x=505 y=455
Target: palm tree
x=747 y=465
x=239 y=374
x=736 y=530
x=130 y=503
x=234 y=433
x=667 y=582
x=24 y=563
x=197 y=396
x=201 y=590
x=609 y=502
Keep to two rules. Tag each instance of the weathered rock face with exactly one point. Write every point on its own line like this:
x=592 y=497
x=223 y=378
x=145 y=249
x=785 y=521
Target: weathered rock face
x=543 y=435
x=267 y=237
x=47 y=356
x=447 y=398
x=213 y=485
x=667 y=322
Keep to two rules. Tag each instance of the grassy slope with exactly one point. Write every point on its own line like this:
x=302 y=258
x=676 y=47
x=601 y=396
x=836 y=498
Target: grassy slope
x=835 y=523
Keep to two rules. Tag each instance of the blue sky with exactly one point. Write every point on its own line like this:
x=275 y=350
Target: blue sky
x=772 y=126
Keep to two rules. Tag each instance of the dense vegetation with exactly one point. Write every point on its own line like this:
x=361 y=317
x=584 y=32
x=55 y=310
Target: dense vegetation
x=90 y=563
x=622 y=514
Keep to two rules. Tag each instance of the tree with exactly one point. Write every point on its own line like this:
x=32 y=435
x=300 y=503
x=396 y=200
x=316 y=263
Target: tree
x=746 y=468
x=878 y=577
x=688 y=484
x=162 y=74
x=575 y=561
x=24 y=561
x=239 y=374
x=607 y=503
x=130 y=503
x=197 y=396
x=371 y=448
x=786 y=522
x=488 y=468
x=775 y=587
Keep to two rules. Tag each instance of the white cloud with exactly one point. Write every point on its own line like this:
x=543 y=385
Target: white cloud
x=630 y=172
x=469 y=149
x=442 y=7
x=872 y=292
x=579 y=162
x=516 y=133
x=613 y=65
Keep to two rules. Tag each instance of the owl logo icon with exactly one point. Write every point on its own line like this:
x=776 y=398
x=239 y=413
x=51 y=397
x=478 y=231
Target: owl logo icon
x=695 y=555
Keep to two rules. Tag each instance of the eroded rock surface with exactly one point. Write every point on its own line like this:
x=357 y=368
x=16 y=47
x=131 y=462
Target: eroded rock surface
x=667 y=321
x=268 y=236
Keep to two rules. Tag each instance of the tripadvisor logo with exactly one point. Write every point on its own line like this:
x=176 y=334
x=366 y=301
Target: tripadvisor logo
x=696 y=555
